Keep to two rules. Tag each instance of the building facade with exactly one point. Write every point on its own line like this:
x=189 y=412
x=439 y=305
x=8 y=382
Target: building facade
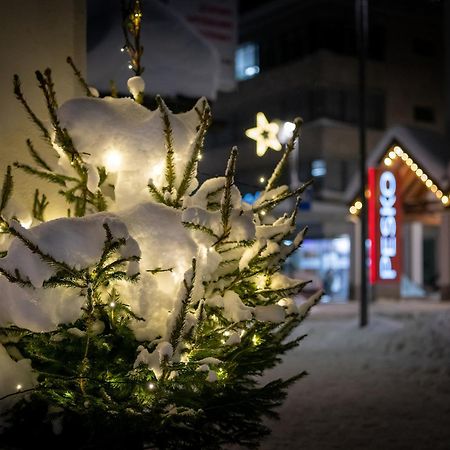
x=299 y=58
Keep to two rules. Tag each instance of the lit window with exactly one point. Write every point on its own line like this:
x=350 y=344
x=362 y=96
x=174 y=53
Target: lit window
x=318 y=168
x=247 y=61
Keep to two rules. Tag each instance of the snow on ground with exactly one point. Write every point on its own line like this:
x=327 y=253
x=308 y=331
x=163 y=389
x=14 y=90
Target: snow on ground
x=385 y=386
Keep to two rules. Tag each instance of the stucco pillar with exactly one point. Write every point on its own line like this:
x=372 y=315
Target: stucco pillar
x=444 y=255
x=413 y=251
x=355 y=259
x=36 y=35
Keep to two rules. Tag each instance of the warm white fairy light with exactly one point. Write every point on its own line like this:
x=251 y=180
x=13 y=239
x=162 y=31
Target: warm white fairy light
x=387 y=161
x=353 y=210
x=424 y=177
x=263 y=213
x=409 y=161
x=433 y=188
x=200 y=157
x=419 y=172
x=130 y=66
x=405 y=156
x=414 y=167
x=262 y=179
x=428 y=183
x=112 y=304
x=19 y=387
x=444 y=199
x=151 y=386
x=398 y=150
x=439 y=193
x=112 y=160
x=392 y=155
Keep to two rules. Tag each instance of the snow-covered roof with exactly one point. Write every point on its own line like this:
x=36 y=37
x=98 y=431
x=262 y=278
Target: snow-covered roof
x=431 y=151
x=177 y=59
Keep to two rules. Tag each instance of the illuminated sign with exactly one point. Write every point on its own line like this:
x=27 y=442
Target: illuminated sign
x=384 y=215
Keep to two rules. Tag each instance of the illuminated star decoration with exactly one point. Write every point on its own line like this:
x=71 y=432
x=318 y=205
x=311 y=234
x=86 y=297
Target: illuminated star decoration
x=265 y=134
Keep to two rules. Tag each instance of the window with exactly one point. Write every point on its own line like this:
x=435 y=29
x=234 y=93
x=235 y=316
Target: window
x=424 y=114
x=247 y=61
x=318 y=168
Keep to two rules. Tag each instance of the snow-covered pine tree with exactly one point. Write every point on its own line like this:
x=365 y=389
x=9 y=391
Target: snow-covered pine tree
x=147 y=316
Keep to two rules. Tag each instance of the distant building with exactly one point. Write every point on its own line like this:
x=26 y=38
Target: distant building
x=299 y=57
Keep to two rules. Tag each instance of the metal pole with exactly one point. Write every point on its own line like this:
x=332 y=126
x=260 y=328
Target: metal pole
x=361 y=7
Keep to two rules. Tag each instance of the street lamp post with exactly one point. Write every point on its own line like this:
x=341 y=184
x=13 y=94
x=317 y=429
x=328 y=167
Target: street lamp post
x=361 y=7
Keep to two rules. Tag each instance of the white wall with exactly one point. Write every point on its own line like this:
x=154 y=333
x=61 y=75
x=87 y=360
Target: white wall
x=34 y=35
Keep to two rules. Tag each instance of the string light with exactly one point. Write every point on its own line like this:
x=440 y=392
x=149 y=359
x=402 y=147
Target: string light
x=151 y=386
x=19 y=387
x=262 y=179
x=112 y=161
x=388 y=160
x=112 y=304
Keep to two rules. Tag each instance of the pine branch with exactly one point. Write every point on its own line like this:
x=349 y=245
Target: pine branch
x=79 y=77
x=37 y=158
x=49 y=176
x=270 y=204
x=285 y=291
x=289 y=148
x=191 y=166
x=225 y=204
x=197 y=227
x=39 y=205
x=168 y=135
x=19 y=95
x=177 y=330
x=155 y=192
x=6 y=189
x=131 y=27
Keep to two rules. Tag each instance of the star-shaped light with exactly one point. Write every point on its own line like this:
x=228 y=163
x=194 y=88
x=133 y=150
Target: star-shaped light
x=265 y=134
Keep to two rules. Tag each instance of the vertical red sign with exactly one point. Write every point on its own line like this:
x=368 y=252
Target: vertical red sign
x=384 y=217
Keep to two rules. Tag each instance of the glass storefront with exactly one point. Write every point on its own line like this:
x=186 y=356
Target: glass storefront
x=327 y=263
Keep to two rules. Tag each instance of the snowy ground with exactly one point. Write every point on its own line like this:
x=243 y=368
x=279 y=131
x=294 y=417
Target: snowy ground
x=383 y=387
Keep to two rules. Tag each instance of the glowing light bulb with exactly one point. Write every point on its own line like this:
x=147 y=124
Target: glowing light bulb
x=262 y=179
x=353 y=210
x=439 y=193
x=392 y=155
x=444 y=199
x=409 y=161
x=112 y=304
x=19 y=387
x=263 y=213
x=433 y=188
x=398 y=150
x=130 y=66
x=419 y=172
x=387 y=161
x=428 y=183
x=112 y=161
x=358 y=205
x=424 y=177
x=414 y=167
x=200 y=156
x=405 y=156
